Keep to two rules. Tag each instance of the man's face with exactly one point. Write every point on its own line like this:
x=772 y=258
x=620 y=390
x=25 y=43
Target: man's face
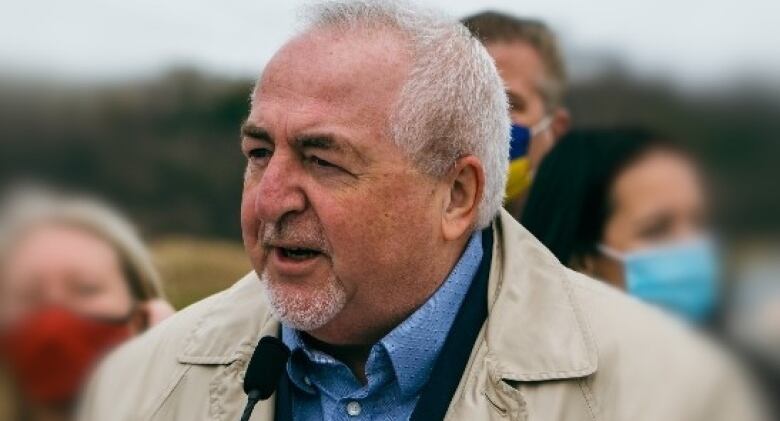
x=335 y=218
x=522 y=71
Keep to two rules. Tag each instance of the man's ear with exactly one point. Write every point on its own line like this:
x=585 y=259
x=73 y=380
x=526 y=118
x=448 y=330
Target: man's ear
x=561 y=122
x=466 y=186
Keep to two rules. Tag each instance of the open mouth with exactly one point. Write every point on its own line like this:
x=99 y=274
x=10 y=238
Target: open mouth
x=296 y=253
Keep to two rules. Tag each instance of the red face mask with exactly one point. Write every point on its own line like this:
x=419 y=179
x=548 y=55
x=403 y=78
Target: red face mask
x=51 y=353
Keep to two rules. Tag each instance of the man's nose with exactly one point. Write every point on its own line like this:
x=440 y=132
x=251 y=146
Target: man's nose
x=279 y=190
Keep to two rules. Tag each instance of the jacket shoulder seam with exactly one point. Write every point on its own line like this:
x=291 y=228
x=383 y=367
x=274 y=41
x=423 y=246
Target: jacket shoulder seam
x=168 y=391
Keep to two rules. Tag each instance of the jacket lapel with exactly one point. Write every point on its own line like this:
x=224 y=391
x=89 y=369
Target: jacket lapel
x=535 y=330
x=232 y=326
x=222 y=343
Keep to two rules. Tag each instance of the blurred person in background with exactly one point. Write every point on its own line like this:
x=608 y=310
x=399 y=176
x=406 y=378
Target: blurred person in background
x=629 y=208
x=530 y=62
x=75 y=281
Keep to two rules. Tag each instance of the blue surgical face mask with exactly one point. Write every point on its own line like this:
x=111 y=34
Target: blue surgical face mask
x=681 y=277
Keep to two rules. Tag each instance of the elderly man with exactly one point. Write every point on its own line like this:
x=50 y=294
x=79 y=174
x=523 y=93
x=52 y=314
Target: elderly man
x=376 y=153
x=530 y=62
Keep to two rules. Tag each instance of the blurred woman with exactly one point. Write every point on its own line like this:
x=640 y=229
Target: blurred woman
x=629 y=208
x=75 y=281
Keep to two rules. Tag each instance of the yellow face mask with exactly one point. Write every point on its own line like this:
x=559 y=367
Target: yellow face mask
x=519 y=178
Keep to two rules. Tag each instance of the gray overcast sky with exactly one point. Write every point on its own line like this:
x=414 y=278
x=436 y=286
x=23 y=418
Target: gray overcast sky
x=694 y=41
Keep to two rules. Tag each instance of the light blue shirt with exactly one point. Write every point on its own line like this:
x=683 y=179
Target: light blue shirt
x=398 y=366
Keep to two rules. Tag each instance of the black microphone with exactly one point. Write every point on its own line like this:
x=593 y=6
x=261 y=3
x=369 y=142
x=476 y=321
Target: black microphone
x=264 y=371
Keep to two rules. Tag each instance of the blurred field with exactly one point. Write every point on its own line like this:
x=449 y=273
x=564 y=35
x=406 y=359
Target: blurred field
x=6 y=411
x=194 y=268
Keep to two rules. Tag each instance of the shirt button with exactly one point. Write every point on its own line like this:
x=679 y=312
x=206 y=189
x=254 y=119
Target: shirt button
x=353 y=409
x=307 y=381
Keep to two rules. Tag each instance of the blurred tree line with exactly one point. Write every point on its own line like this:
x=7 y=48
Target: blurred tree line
x=166 y=150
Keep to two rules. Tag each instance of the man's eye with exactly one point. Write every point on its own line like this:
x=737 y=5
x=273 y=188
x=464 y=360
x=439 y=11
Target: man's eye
x=321 y=162
x=259 y=153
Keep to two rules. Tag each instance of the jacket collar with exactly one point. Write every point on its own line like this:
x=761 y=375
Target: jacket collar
x=231 y=325
x=535 y=328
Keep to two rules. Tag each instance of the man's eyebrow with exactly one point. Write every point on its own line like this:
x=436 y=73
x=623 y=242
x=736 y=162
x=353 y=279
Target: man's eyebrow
x=255 y=132
x=318 y=142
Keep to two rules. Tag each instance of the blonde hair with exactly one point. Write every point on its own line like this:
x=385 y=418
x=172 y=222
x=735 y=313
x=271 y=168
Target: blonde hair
x=492 y=27
x=26 y=209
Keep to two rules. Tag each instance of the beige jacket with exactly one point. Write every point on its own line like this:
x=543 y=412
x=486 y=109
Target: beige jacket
x=556 y=346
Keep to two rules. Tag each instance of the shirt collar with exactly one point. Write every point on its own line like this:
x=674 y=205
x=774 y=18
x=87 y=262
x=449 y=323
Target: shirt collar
x=414 y=345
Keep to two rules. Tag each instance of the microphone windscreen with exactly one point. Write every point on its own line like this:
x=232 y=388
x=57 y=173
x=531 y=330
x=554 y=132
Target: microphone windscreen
x=266 y=366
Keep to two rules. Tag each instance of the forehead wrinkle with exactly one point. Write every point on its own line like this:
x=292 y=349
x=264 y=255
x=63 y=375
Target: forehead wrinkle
x=339 y=81
x=335 y=66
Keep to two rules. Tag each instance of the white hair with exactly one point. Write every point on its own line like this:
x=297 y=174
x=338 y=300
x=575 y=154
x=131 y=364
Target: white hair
x=453 y=102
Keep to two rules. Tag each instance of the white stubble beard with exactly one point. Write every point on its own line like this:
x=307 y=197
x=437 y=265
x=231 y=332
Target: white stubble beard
x=305 y=312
